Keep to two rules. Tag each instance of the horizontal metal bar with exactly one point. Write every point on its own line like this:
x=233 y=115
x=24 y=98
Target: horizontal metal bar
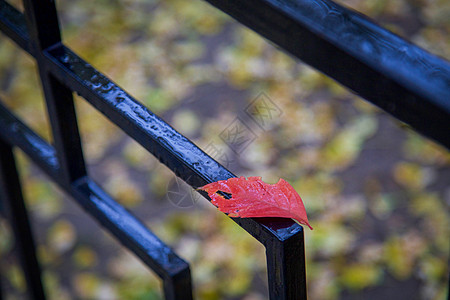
x=399 y=77
x=115 y=218
x=12 y=23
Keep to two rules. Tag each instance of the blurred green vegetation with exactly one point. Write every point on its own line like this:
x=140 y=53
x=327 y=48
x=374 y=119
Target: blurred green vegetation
x=377 y=194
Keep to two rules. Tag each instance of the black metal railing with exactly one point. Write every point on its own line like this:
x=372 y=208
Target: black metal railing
x=402 y=79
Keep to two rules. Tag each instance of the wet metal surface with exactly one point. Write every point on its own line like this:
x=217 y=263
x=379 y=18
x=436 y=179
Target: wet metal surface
x=11 y=196
x=171 y=148
x=115 y=218
x=12 y=23
x=404 y=80
x=14 y=132
x=43 y=28
x=399 y=77
x=130 y=231
x=174 y=150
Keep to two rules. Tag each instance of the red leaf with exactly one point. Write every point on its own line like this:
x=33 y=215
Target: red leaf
x=252 y=198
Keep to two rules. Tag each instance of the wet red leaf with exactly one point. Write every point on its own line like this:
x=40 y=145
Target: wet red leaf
x=253 y=198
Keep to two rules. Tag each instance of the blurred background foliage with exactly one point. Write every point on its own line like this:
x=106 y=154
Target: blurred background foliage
x=377 y=193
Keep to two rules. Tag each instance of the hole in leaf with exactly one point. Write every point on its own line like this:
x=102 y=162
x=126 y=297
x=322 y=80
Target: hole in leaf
x=224 y=194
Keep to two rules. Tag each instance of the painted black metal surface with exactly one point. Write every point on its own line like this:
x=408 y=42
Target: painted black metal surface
x=174 y=150
x=11 y=196
x=132 y=233
x=173 y=270
x=13 y=24
x=43 y=28
x=399 y=77
x=18 y=134
x=170 y=147
x=404 y=80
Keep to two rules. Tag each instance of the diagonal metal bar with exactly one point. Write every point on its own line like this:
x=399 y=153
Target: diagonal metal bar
x=399 y=77
x=181 y=156
x=11 y=196
x=284 y=267
x=173 y=270
x=174 y=150
x=12 y=23
x=171 y=148
x=44 y=32
x=404 y=80
x=14 y=132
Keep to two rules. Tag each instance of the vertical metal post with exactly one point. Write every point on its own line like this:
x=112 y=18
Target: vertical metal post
x=11 y=196
x=286 y=268
x=1 y=289
x=178 y=286
x=44 y=32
